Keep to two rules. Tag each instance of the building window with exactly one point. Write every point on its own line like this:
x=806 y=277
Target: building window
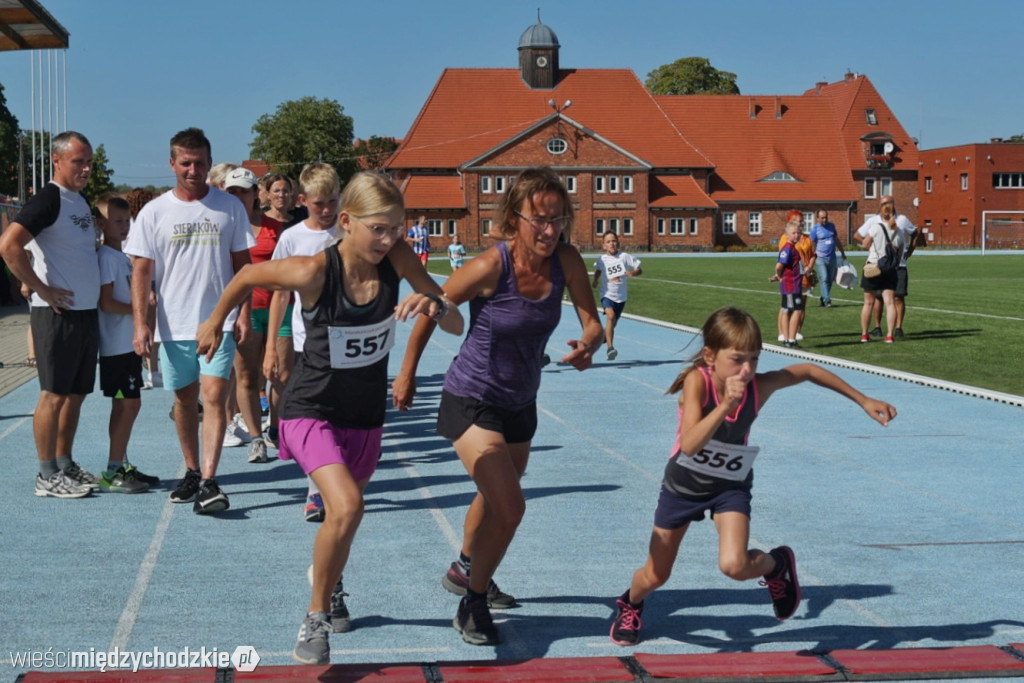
x=599 y=226
x=453 y=227
x=870 y=189
x=613 y=225
x=570 y=184
x=963 y=221
x=434 y=227
x=693 y=226
x=928 y=184
x=754 y=223
x=557 y=146
x=485 y=184
x=871 y=117
x=677 y=226
x=599 y=183
x=661 y=226
x=779 y=177
x=499 y=184
x=627 y=226
x=808 y=220
x=1008 y=180
x=884 y=186
x=627 y=183
x=728 y=223
x=485 y=227
x=613 y=183
x=963 y=181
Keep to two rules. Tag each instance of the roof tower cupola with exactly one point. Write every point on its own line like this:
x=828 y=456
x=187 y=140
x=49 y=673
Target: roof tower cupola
x=538 y=56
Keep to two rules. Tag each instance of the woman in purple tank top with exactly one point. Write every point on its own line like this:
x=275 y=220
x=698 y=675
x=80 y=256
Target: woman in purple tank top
x=489 y=403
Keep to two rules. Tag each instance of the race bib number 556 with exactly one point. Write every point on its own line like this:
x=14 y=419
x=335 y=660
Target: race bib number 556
x=723 y=460
x=357 y=347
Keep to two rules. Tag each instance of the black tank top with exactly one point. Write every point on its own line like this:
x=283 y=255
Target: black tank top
x=351 y=397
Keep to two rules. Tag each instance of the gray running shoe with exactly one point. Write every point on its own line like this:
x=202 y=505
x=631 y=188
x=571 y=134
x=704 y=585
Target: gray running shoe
x=258 y=451
x=312 y=646
x=59 y=485
x=613 y=353
x=81 y=477
x=340 y=622
x=122 y=481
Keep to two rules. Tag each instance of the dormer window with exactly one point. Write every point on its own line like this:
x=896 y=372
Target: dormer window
x=779 y=177
x=871 y=117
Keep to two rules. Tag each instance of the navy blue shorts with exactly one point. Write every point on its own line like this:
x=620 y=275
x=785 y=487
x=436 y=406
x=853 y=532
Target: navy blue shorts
x=459 y=413
x=617 y=306
x=674 y=511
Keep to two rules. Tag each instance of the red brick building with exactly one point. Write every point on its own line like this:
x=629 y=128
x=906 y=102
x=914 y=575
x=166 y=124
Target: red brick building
x=958 y=185
x=693 y=172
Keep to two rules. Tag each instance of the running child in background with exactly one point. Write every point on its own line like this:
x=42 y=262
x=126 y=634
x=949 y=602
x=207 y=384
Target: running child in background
x=332 y=412
x=120 y=367
x=710 y=469
x=612 y=269
x=456 y=253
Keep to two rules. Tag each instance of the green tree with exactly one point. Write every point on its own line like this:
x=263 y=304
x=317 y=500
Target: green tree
x=8 y=148
x=691 y=76
x=373 y=153
x=302 y=131
x=100 y=178
x=1017 y=139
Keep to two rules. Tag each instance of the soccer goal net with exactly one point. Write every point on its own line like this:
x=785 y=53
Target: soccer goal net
x=1002 y=230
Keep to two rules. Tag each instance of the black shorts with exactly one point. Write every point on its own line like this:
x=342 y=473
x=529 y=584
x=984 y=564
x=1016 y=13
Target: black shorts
x=794 y=302
x=901 y=282
x=66 y=349
x=877 y=284
x=459 y=413
x=121 y=376
x=675 y=512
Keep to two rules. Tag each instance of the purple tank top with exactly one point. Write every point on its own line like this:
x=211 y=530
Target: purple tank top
x=500 y=360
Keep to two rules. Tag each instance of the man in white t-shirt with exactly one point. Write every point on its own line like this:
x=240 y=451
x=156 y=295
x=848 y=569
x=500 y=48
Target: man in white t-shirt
x=191 y=241
x=56 y=226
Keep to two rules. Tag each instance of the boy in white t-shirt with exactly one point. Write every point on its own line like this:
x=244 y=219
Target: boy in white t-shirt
x=120 y=366
x=611 y=269
x=319 y=191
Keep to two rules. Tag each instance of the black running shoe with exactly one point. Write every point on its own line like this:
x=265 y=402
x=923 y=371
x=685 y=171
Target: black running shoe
x=210 y=498
x=340 y=621
x=782 y=583
x=473 y=621
x=877 y=332
x=187 y=488
x=626 y=627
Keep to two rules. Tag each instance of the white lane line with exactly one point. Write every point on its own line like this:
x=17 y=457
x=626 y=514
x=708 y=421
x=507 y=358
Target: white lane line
x=13 y=427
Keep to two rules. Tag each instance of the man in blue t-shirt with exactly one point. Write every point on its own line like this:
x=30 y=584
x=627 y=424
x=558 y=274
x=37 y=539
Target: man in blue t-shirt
x=826 y=242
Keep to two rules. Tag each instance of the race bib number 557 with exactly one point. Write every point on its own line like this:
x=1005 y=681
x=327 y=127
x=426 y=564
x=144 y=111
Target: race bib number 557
x=723 y=460
x=357 y=347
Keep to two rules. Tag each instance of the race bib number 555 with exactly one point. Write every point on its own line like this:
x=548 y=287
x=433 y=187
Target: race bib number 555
x=359 y=346
x=723 y=460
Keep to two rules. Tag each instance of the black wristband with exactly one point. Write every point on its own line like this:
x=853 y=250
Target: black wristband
x=442 y=305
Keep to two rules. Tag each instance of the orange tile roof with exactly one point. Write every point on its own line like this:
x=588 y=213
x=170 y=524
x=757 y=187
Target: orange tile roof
x=804 y=142
x=434 y=192
x=852 y=96
x=678 y=191
x=472 y=111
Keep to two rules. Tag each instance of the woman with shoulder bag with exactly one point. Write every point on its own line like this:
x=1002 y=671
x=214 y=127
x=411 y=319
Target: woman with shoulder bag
x=884 y=243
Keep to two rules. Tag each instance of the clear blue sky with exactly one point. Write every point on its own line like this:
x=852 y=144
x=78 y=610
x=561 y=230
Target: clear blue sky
x=138 y=71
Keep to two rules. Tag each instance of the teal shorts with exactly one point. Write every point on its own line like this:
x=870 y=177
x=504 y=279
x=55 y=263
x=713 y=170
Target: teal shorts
x=181 y=366
x=260 y=318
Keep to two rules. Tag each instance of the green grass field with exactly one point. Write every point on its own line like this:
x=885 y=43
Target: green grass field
x=964 y=320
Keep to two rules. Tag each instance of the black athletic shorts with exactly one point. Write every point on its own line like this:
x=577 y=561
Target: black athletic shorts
x=66 y=349
x=121 y=376
x=459 y=413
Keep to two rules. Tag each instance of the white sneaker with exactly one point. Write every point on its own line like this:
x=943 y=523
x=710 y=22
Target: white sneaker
x=799 y=337
x=782 y=337
x=231 y=437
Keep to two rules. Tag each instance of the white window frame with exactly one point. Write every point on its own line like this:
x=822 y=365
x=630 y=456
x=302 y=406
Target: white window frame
x=435 y=227
x=677 y=226
x=661 y=226
x=627 y=184
x=728 y=222
x=613 y=183
x=599 y=184
x=1007 y=181
x=884 y=186
x=485 y=184
x=870 y=188
x=627 y=226
x=809 y=220
x=499 y=184
x=754 y=223
x=693 y=225
x=964 y=182
x=570 y=184
x=485 y=227
x=453 y=227
x=557 y=146
x=928 y=185
x=599 y=226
